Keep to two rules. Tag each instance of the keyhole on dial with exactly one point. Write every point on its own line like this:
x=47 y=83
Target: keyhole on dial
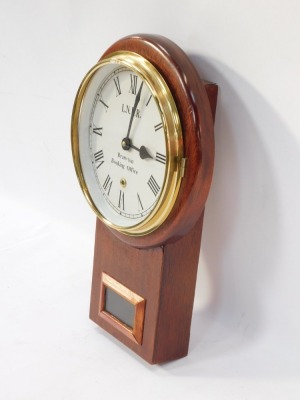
x=123 y=182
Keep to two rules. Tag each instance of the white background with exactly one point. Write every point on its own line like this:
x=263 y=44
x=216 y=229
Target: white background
x=245 y=341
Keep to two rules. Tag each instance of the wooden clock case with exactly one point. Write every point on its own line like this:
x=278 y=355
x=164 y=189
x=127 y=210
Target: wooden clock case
x=161 y=267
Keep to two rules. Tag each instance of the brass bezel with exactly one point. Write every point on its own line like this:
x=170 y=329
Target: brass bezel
x=173 y=135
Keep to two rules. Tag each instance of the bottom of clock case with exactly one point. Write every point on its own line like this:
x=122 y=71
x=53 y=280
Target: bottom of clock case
x=159 y=282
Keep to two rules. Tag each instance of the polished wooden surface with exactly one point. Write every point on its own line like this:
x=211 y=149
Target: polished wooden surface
x=196 y=118
x=164 y=276
x=162 y=266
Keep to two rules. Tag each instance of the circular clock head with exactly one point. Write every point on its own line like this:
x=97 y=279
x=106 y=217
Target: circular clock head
x=127 y=143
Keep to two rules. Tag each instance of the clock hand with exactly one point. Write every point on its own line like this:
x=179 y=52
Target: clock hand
x=136 y=102
x=126 y=145
x=143 y=151
x=126 y=142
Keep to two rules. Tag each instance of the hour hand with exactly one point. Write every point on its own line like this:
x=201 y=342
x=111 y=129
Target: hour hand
x=126 y=145
x=143 y=151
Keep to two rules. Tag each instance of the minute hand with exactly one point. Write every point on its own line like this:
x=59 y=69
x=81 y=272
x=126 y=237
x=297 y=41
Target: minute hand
x=137 y=100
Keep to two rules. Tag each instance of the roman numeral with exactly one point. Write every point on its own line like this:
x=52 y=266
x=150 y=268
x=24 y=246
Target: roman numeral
x=161 y=158
x=118 y=87
x=99 y=158
x=121 y=200
x=105 y=105
x=97 y=131
x=140 y=205
x=153 y=185
x=133 y=84
x=148 y=100
x=158 y=126
x=107 y=184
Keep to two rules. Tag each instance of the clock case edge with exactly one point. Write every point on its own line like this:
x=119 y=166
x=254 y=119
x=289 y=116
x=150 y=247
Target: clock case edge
x=162 y=270
x=193 y=98
x=165 y=276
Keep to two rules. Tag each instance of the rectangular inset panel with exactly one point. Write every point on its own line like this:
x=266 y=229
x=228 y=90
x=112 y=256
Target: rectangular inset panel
x=122 y=308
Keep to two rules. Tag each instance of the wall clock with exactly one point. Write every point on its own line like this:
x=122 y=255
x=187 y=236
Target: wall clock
x=143 y=150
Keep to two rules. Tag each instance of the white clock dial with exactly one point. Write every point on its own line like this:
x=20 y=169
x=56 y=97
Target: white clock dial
x=122 y=145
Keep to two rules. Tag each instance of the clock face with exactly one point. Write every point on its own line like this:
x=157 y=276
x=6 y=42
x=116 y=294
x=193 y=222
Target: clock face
x=125 y=154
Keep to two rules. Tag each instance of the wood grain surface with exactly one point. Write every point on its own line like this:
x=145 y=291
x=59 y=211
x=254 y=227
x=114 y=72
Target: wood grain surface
x=196 y=117
x=162 y=266
x=164 y=276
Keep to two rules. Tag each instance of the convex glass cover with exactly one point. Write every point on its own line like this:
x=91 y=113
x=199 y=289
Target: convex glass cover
x=127 y=143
